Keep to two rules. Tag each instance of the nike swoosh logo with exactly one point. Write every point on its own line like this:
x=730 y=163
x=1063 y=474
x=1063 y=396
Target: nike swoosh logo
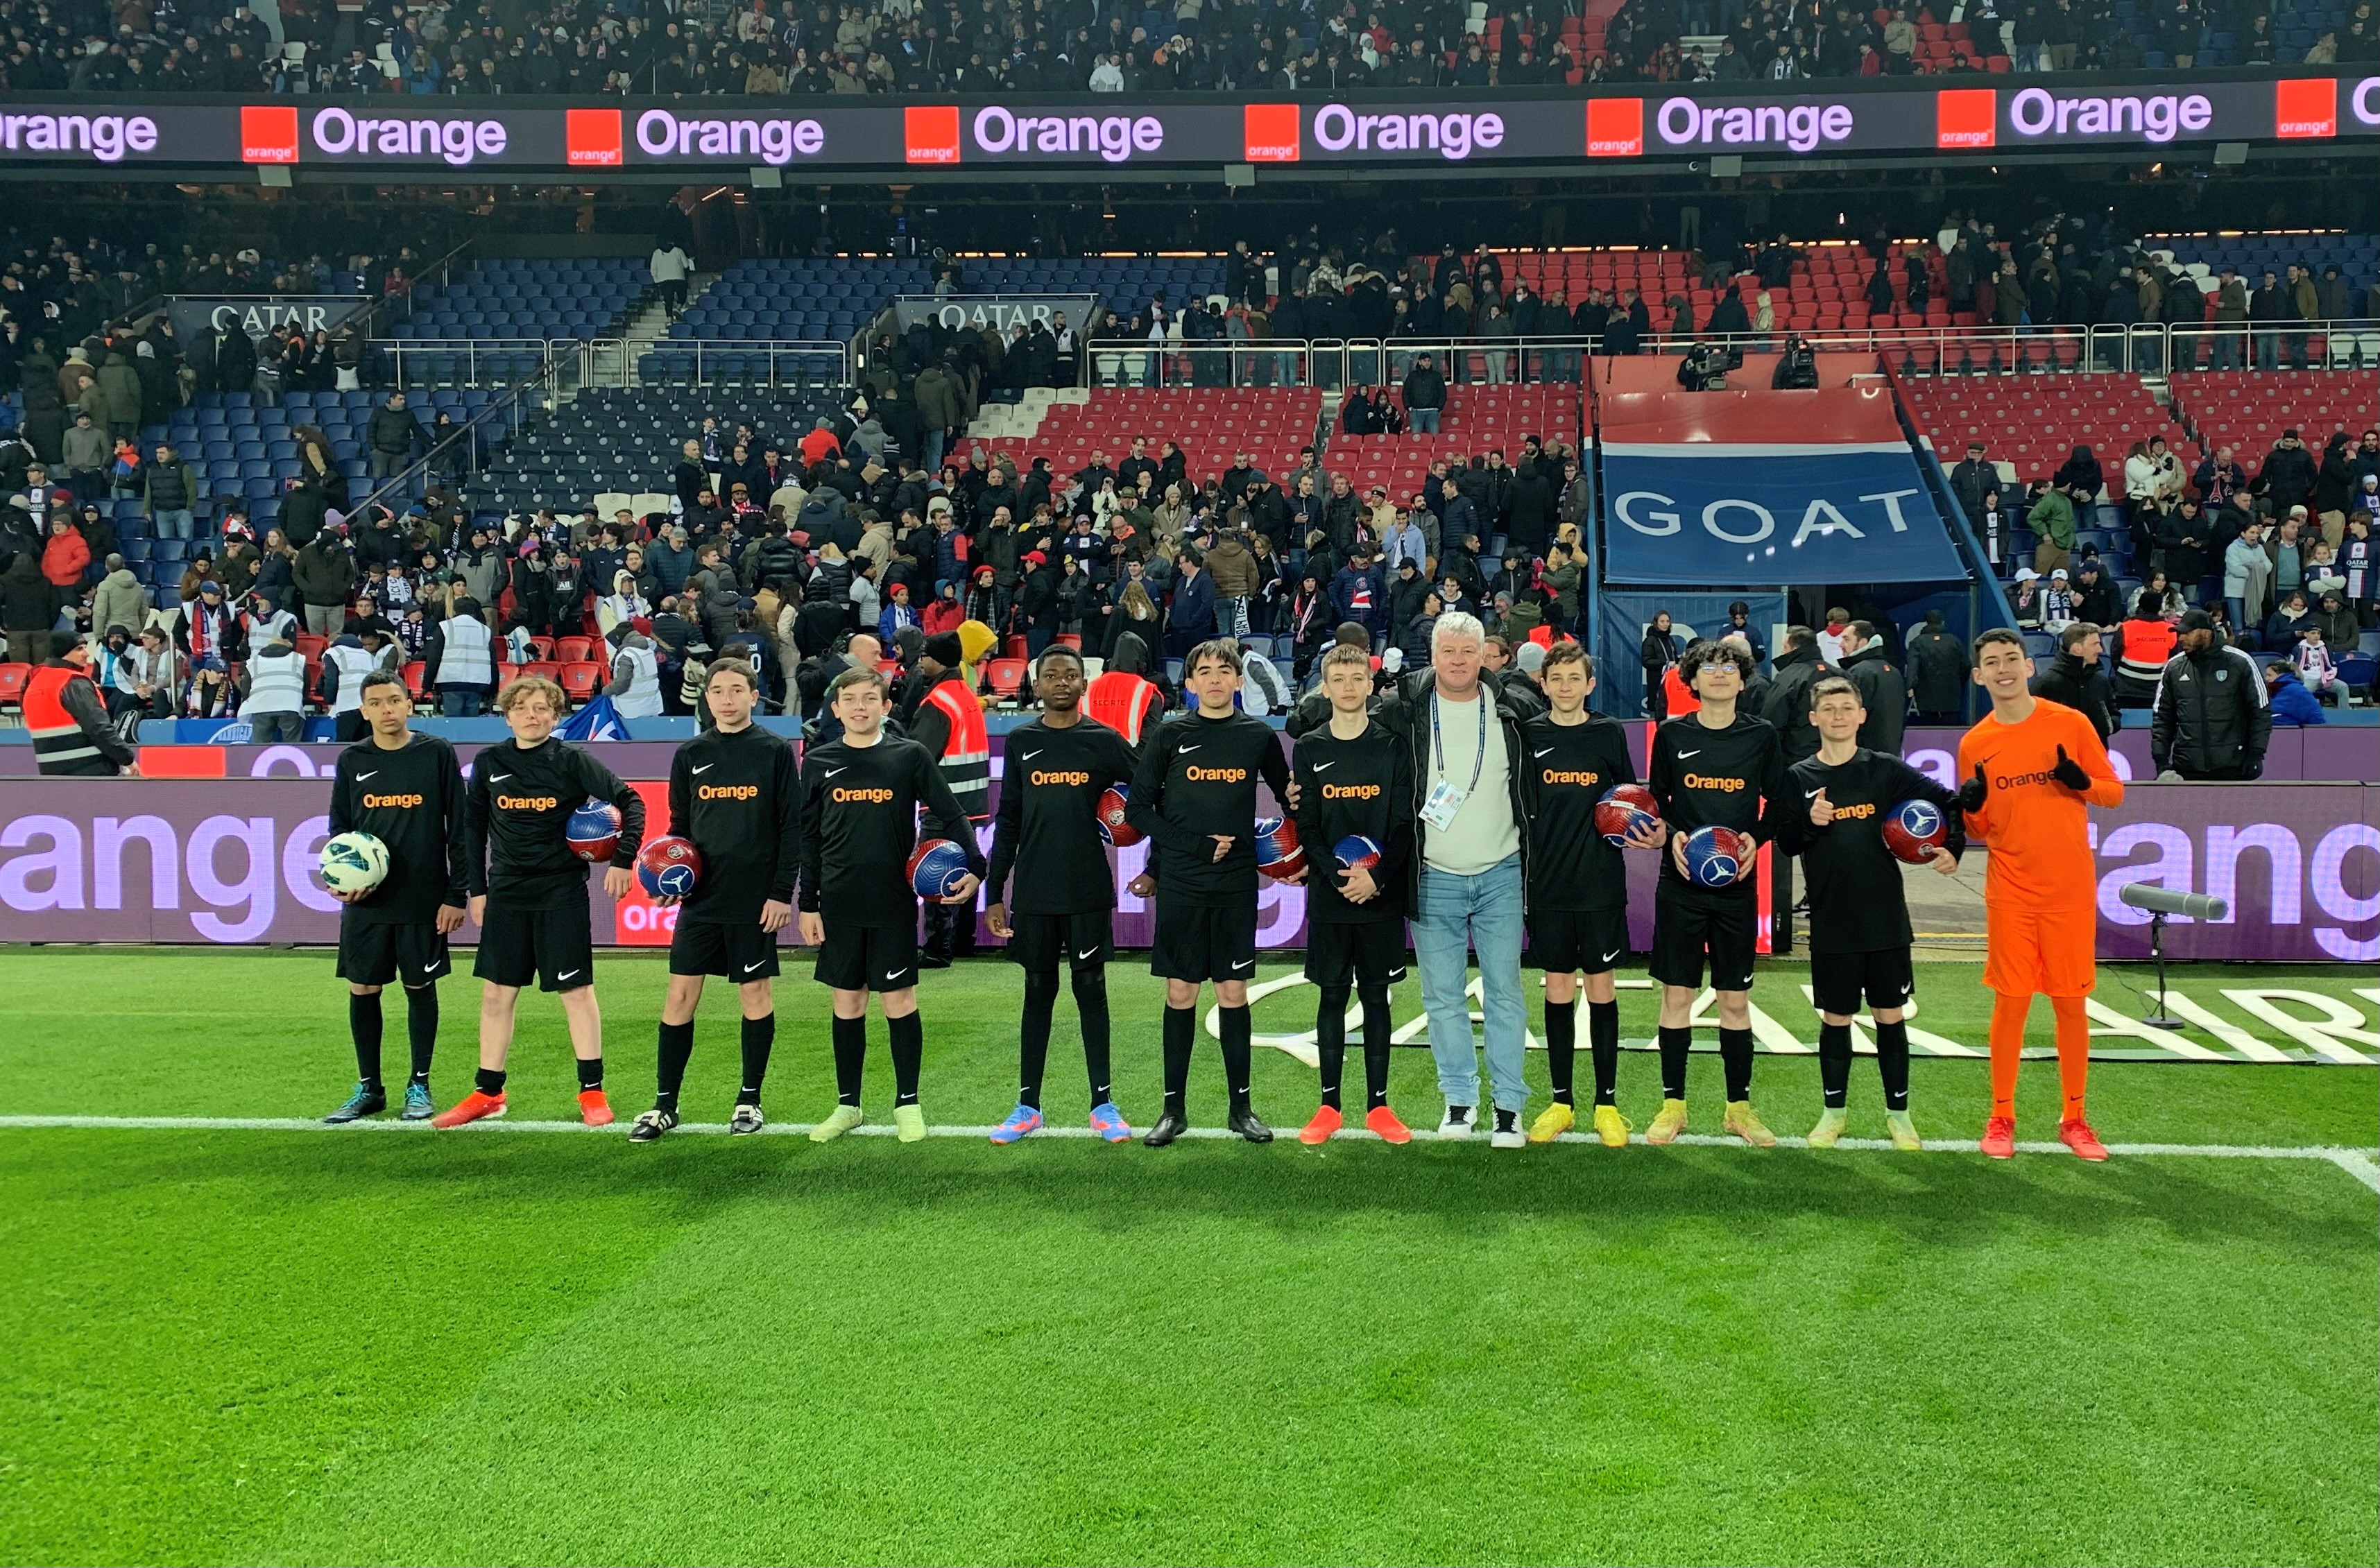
x=749 y=968
x=1321 y=766
x=565 y=974
x=498 y=778
x=706 y=768
x=1028 y=756
x=433 y=966
x=832 y=772
x=1608 y=956
x=895 y=974
x=1547 y=752
x=361 y=777
x=1185 y=750
x=1249 y=963
x=1812 y=794
x=1695 y=753
x=1079 y=957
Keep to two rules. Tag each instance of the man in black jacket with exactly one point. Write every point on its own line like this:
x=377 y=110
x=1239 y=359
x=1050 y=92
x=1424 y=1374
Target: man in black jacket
x=1424 y=395
x=2211 y=720
x=2076 y=678
x=1787 y=706
x=1883 y=692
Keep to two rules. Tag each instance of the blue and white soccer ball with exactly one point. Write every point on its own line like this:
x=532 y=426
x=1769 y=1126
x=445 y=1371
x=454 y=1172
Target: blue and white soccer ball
x=353 y=863
x=1718 y=857
x=593 y=831
x=936 y=867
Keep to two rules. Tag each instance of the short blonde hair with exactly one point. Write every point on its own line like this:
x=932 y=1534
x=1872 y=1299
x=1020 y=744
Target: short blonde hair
x=522 y=687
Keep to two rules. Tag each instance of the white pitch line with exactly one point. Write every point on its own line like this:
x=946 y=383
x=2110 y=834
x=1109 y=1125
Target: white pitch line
x=2357 y=1163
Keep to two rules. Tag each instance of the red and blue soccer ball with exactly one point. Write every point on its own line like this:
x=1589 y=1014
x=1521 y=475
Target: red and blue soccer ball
x=593 y=831
x=1110 y=812
x=1357 y=852
x=1718 y=857
x=1914 y=830
x=1278 y=854
x=936 y=867
x=668 y=867
x=1625 y=809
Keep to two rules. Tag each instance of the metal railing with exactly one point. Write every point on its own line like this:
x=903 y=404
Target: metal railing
x=406 y=363
x=461 y=454
x=705 y=361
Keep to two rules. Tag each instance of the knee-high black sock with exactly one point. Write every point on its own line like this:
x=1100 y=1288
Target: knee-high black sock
x=590 y=1073
x=759 y=1038
x=1180 y=1034
x=1834 y=1062
x=850 y=1058
x=1376 y=1030
x=1735 y=1061
x=1677 y=1045
x=1603 y=1041
x=676 y=1048
x=1892 y=1063
x=908 y=1055
x=1238 y=1053
x=363 y=1022
x=421 y=1028
x=1091 y=1004
x=1562 y=1046
x=1331 y=1039
x=1033 y=1034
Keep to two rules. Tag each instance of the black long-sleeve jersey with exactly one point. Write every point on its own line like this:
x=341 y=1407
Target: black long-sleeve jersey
x=859 y=823
x=1199 y=778
x=520 y=801
x=1857 y=901
x=1360 y=786
x=739 y=798
x=411 y=800
x=1569 y=767
x=1047 y=820
x=1706 y=777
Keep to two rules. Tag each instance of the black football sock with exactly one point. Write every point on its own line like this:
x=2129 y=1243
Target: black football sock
x=908 y=1055
x=1091 y=1002
x=590 y=1073
x=1180 y=1034
x=1561 y=1047
x=759 y=1037
x=1603 y=1042
x=1238 y=1053
x=421 y=1028
x=1331 y=1039
x=1376 y=1042
x=850 y=1058
x=489 y=1082
x=1834 y=1064
x=1735 y=1062
x=363 y=1022
x=1033 y=1034
x=1677 y=1045
x=677 y=1046
x=1892 y=1063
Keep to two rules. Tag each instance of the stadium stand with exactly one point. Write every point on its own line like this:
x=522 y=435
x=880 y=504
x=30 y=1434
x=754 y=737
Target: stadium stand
x=1271 y=424
x=1475 y=419
x=565 y=459
x=508 y=306
x=2249 y=409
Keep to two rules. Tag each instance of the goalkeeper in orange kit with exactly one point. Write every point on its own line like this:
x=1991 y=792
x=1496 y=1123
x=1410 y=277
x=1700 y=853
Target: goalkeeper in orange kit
x=2029 y=771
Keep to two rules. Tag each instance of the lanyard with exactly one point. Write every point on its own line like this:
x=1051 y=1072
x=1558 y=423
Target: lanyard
x=1438 y=743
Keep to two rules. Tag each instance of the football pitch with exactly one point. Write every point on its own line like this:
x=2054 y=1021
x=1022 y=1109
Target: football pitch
x=232 y=1335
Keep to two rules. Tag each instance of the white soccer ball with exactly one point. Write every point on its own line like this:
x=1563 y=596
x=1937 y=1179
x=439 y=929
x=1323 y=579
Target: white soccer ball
x=353 y=863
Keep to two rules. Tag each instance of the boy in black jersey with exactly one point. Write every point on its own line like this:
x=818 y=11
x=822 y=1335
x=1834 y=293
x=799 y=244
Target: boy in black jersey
x=1577 y=887
x=860 y=798
x=1719 y=768
x=1195 y=797
x=406 y=791
x=1047 y=830
x=1858 y=915
x=529 y=892
x=734 y=791
x=1353 y=778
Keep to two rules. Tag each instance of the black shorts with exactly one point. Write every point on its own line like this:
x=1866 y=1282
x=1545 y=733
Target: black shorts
x=554 y=948
x=1361 y=953
x=1838 y=980
x=376 y=952
x=1083 y=941
x=1578 y=941
x=1197 y=942
x=1686 y=922
x=741 y=951
x=869 y=958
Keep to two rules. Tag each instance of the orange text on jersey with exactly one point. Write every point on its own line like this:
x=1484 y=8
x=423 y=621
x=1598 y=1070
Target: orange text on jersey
x=1215 y=774
x=865 y=797
x=1060 y=776
x=401 y=802
x=728 y=792
x=1705 y=781
x=1351 y=791
x=1588 y=777
x=526 y=803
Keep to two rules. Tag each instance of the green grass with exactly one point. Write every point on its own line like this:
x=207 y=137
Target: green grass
x=302 y=1347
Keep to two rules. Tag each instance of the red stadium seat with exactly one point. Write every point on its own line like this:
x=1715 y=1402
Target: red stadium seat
x=1007 y=677
x=573 y=650
x=579 y=681
x=14 y=678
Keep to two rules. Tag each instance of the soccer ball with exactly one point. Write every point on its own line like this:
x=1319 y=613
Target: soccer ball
x=936 y=868
x=1113 y=827
x=1624 y=809
x=668 y=867
x=1357 y=853
x=353 y=863
x=1718 y=857
x=1914 y=830
x=1278 y=854
x=594 y=831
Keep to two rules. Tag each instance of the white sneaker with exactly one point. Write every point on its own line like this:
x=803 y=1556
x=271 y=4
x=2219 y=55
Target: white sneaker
x=746 y=1119
x=1456 y=1123
x=1508 y=1133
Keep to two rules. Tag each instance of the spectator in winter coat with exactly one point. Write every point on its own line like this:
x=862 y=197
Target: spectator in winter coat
x=2290 y=702
x=1359 y=594
x=2077 y=679
x=65 y=556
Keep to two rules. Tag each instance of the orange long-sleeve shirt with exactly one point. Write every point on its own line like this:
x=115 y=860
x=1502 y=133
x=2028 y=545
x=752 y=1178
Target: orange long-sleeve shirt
x=2032 y=825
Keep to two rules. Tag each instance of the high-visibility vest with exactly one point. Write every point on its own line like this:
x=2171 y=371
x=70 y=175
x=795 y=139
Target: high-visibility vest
x=466 y=656
x=2147 y=645
x=353 y=665
x=966 y=753
x=1119 y=700
x=276 y=683
x=60 y=746
x=643 y=697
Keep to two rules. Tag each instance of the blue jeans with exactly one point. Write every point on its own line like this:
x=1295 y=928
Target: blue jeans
x=1422 y=421
x=173 y=523
x=1458 y=913
x=461 y=702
